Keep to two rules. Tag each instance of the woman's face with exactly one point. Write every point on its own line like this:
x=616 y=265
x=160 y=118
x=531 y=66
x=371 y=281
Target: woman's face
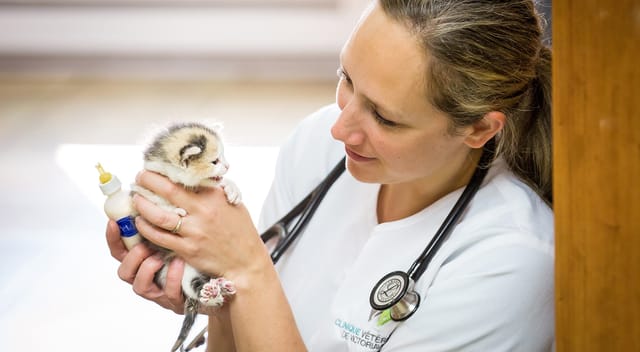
x=392 y=134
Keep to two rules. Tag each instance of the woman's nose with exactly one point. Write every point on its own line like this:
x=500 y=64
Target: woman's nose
x=347 y=127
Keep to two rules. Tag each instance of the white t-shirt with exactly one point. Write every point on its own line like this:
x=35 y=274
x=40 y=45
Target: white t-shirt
x=489 y=287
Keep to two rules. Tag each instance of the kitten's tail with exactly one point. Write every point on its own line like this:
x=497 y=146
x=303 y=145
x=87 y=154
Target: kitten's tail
x=190 y=313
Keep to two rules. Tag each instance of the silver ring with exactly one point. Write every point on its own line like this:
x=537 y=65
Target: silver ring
x=177 y=227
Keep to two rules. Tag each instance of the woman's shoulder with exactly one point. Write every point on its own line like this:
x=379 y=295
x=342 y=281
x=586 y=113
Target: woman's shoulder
x=310 y=151
x=513 y=204
x=304 y=160
x=506 y=216
x=311 y=141
x=322 y=117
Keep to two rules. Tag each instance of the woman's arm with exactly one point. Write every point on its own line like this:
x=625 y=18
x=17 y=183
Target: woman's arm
x=260 y=313
x=257 y=318
x=252 y=324
x=220 y=334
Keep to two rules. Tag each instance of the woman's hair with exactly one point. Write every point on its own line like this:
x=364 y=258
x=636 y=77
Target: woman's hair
x=487 y=55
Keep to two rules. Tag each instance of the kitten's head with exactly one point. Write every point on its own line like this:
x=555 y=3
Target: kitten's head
x=191 y=154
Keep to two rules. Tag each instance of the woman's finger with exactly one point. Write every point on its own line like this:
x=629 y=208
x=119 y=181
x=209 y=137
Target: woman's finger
x=131 y=262
x=173 y=286
x=116 y=246
x=159 y=217
x=162 y=186
x=158 y=236
x=143 y=283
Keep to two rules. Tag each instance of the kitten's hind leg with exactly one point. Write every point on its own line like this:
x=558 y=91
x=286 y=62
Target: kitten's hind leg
x=190 y=313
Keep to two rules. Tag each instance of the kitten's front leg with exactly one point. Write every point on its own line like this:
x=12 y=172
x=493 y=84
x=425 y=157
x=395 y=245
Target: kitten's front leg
x=232 y=191
x=157 y=200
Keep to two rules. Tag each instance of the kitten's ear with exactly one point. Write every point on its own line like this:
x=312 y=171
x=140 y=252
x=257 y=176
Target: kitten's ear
x=217 y=127
x=187 y=152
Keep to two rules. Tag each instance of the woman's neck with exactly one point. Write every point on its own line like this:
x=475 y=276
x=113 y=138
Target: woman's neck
x=401 y=200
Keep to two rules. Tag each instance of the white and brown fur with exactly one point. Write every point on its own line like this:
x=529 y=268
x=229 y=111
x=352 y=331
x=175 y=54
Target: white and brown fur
x=190 y=154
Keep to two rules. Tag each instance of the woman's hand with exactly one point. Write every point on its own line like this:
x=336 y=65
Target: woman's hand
x=138 y=267
x=220 y=239
x=214 y=237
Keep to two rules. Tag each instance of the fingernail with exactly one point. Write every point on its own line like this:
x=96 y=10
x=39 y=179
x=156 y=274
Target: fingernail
x=138 y=176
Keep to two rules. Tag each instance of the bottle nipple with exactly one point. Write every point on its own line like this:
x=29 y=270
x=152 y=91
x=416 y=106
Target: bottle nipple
x=104 y=176
x=109 y=184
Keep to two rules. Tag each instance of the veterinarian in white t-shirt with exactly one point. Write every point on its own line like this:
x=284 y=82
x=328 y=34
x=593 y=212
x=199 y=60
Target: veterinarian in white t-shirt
x=490 y=287
x=423 y=87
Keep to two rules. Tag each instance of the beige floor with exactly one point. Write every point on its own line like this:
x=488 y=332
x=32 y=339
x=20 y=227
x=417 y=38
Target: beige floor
x=58 y=284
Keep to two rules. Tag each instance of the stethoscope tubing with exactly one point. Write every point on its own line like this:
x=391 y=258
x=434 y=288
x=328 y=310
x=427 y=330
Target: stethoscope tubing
x=305 y=209
x=422 y=262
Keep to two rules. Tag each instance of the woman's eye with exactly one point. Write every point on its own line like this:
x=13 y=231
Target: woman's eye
x=343 y=75
x=381 y=120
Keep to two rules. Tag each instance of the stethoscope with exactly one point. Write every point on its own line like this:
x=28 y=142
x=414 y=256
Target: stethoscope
x=393 y=293
x=303 y=212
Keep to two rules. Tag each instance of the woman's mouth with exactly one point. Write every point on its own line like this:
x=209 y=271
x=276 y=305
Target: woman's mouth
x=357 y=157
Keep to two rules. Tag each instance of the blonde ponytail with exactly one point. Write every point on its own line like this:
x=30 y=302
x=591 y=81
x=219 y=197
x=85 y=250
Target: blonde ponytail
x=488 y=56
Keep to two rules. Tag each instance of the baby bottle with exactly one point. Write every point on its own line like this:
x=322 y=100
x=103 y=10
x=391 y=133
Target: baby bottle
x=118 y=207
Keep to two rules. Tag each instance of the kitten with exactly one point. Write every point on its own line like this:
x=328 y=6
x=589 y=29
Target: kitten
x=190 y=154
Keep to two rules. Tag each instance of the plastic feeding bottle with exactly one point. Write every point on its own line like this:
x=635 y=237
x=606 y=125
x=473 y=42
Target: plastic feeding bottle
x=118 y=207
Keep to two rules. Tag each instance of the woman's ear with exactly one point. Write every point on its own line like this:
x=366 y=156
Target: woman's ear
x=485 y=128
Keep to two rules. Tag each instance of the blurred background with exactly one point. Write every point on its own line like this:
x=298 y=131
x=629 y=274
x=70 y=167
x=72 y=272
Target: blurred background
x=87 y=81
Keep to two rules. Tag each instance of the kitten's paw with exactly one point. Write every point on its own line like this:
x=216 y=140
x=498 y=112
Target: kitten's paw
x=231 y=191
x=180 y=212
x=214 y=292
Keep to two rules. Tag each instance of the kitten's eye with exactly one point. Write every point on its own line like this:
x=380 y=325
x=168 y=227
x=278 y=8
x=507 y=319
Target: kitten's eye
x=215 y=162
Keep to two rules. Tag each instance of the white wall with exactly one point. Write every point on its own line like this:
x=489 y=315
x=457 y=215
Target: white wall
x=213 y=37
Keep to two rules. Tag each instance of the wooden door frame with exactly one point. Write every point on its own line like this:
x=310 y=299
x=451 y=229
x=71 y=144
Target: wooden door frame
x=596 y=136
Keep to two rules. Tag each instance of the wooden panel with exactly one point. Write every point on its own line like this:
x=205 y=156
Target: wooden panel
x=596 y=80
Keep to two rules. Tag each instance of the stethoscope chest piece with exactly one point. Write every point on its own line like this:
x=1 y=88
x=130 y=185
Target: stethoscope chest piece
x=395 y=292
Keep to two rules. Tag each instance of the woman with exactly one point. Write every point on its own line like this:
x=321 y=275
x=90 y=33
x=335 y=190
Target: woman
x=424 y=87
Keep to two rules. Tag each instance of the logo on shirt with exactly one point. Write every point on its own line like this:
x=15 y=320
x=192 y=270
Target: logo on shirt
x=358 y=336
